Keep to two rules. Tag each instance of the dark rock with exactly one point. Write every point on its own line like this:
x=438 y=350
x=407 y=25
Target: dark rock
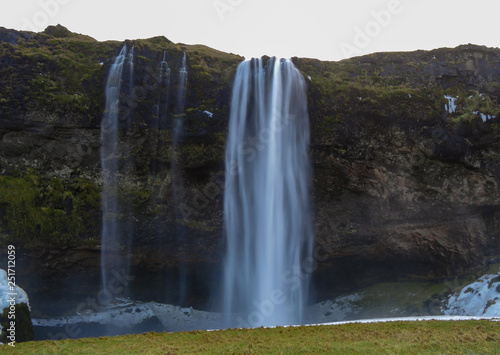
x=23 y=326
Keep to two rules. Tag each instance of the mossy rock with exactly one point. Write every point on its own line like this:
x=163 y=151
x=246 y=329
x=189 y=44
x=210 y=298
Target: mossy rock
x=38 y=210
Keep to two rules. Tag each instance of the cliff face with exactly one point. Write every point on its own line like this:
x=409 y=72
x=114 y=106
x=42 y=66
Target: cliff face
x=406 y=184
x=405 y=180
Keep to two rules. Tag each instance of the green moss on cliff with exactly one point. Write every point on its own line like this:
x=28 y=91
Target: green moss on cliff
x=34 y=209
x=59 y=76
x=135 y=197
x=471 y=105
x=199 y=155
x=340 y=90
x=61 y=72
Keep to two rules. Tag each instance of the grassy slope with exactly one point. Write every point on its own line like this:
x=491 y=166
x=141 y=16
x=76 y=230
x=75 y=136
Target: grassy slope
x=429 y=337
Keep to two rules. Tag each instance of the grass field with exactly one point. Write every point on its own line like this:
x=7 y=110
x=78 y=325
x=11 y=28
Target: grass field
x=424 y=337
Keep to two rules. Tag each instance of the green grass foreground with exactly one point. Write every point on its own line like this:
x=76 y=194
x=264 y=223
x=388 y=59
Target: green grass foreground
x=423 y=337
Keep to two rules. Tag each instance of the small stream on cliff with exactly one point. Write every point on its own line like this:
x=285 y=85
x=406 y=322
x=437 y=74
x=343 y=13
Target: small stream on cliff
x=177 y=180
x=111 y=233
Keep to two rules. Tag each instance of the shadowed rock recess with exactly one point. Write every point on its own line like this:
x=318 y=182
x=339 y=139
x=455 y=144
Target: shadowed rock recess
x=405 y=151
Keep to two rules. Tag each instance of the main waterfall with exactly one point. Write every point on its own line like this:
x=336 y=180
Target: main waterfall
x=267 y=219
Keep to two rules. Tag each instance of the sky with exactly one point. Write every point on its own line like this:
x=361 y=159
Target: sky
x=322 y=29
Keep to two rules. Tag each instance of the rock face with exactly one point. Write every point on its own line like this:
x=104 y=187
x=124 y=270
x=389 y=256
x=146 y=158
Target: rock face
x=405 y=188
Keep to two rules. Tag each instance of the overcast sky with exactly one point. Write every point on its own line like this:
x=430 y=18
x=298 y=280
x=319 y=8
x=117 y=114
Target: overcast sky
x=323 y=29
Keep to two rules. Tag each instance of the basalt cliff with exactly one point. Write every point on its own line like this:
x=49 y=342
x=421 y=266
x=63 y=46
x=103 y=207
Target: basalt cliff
x=405 y=150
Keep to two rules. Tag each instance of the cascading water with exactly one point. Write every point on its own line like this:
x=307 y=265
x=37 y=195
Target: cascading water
x=130 y=64
x=111 y=262
x=128 y=165
x=181 y=98
x=177 y=181
x=267 y=220
x=162 y=91
x=160 y=110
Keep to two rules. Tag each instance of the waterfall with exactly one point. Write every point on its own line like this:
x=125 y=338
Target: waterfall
x=111 y=261
x=177 y=180
x=130 y=64
x=128 y=165
x=164 y=85
x=268 y=229
x=160 y=111
x=181 y=98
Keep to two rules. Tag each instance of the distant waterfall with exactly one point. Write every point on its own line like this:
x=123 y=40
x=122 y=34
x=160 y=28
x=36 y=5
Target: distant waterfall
x=177 y=179
x=267 y=222
x=128 y=166
x=110 y=153
x=163 y=92
x=130 y=63
x=181 y=98
x=162 y=87
x=160 y=111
